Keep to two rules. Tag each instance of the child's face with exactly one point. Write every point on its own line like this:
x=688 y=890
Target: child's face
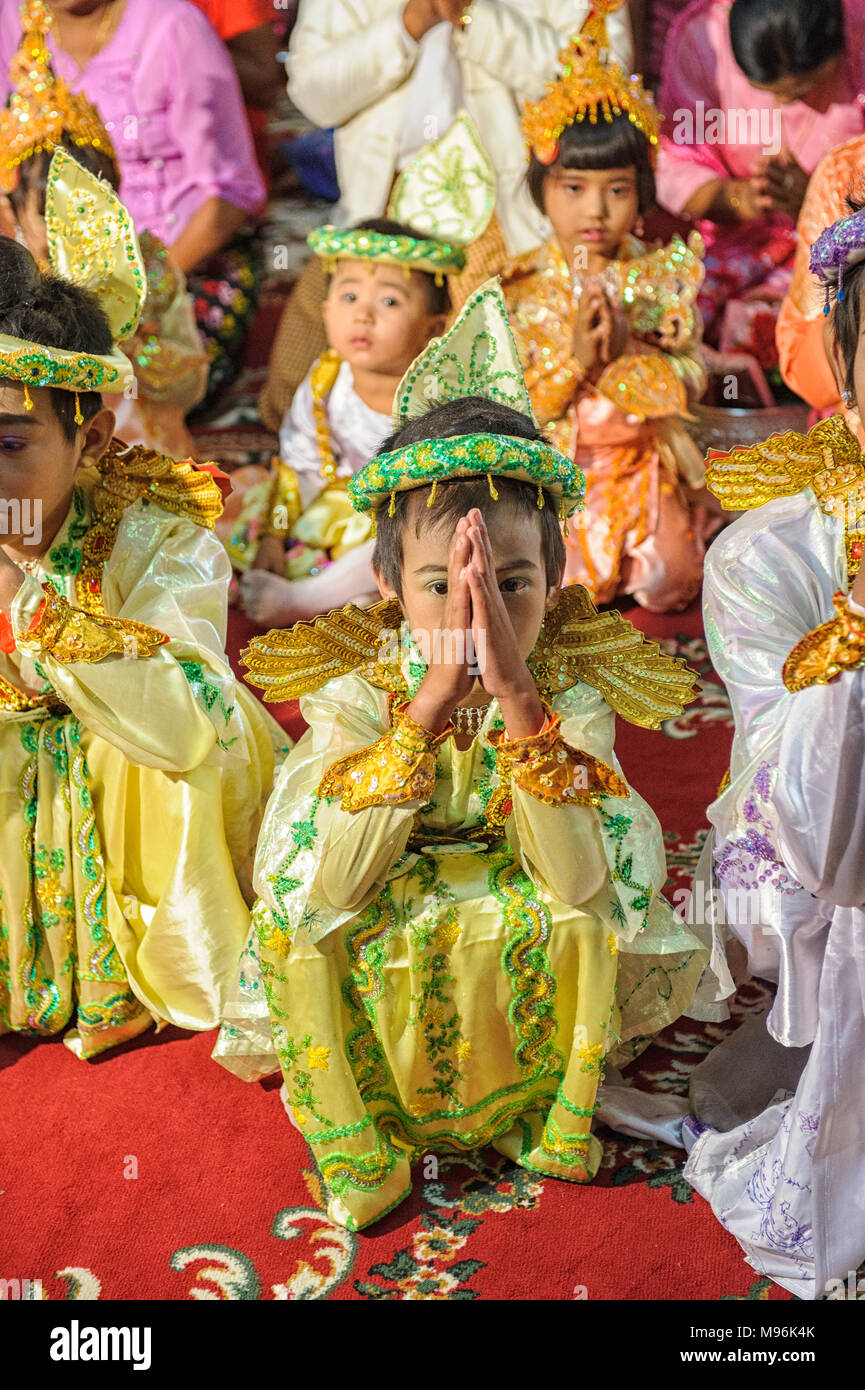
x=377 y=317
x=591 y=208
x=38 y=463
x=519 y=563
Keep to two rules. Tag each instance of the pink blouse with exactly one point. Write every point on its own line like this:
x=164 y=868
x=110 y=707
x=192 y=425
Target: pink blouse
x=167 y=91
x=701 y=76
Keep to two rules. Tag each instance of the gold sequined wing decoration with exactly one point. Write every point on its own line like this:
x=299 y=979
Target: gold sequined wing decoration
x=659 y=291
x=604 y=650
x=183 y=488
x=288 y=663
x=780 y=466
x=92 y=242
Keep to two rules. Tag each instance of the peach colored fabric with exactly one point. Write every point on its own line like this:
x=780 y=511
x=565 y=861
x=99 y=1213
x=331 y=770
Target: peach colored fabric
x=799 y=332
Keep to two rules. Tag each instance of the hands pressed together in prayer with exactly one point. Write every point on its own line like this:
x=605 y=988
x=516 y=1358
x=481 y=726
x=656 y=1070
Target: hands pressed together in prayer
x=600 y=329
x=475 y=614
x=777 y=184
x=421 y=15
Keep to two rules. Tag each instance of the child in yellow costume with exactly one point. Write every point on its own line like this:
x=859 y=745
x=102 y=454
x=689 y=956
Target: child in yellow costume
x=460 y=913
x=165 y=349
x=388 y=295
x=133 y=771
x=609 y=335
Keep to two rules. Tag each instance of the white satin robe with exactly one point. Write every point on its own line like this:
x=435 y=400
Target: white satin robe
x=789 y=1181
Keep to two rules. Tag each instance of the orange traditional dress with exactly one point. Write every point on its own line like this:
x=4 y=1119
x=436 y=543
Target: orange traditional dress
x=799 y=333
x=639 y=533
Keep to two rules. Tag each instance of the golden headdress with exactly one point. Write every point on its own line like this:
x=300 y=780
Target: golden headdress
x=589 y=86
x=41 y=107
x=92 y=242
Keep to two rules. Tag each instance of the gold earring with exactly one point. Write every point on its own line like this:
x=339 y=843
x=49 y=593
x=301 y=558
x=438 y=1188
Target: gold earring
x=79 y=418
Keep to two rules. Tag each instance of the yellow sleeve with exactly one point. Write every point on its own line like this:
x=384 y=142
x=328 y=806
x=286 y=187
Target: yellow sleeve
x=152 y=679
x=553 y=785
x=318 y=861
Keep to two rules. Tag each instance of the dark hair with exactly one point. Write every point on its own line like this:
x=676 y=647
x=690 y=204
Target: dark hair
x=468 y=415
x=847 y=318
x=438 y=298
x=615 y=144
x=45 y=309
x=773 y=39
x=33 y=171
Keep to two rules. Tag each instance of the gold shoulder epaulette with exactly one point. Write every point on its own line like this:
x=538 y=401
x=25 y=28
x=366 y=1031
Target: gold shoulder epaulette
x=184 y=488
x=604 y=650
x=288 y=663
x=783 y=464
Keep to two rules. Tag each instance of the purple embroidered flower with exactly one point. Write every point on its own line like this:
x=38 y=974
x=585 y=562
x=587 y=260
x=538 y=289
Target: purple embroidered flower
x=750 y=810
x=763 y=781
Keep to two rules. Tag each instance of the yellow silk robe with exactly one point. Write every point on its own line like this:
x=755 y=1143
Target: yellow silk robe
x=131 y=803
x=438 y=982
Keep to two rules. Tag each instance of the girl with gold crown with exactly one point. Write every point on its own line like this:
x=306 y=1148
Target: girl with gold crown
x=777 y=1147
x=133 y=772
x=299 y=544
x=609 y=334
x=460 y=912
x=165 y=349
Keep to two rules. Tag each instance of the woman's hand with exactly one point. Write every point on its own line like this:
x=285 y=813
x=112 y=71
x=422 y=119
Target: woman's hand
x=448 y=679
x=785 y=184
x=504 y=673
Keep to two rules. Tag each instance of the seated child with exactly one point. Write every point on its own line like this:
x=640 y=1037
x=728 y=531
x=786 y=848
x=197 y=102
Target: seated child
x=460 y=913
x=783 y=1165
x=165 y=349
x=609 y=337
x=133 y=772
x=300 y=544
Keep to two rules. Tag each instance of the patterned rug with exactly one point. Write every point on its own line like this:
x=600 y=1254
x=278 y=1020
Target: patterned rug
x=151 y=1173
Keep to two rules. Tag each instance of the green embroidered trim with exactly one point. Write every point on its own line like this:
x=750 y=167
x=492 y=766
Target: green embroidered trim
x=468 y=456
x=66 y=558
x=431 y=255
x=204 y=689
x=525 y=960
x=618 y=826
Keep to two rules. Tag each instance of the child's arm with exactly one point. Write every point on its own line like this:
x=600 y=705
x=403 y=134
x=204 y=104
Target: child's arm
x=343 y=807
x=374 y=765
x=555 y=783
x=163 y=693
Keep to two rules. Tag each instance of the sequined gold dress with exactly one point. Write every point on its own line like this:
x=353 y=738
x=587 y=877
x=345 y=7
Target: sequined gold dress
x=133 y=771
x=452 y=942
x=638 y=534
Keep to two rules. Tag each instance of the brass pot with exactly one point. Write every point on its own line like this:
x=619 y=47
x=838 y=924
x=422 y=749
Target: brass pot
x=728 y=427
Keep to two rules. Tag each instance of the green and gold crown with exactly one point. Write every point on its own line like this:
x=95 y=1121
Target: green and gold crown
x=477 y=357
x=446 y=195
x=92 y=243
